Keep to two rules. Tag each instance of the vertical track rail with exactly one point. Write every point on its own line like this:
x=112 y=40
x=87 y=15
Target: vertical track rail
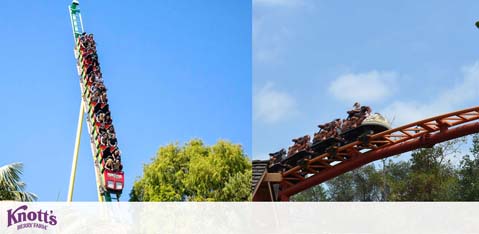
x=77 y=28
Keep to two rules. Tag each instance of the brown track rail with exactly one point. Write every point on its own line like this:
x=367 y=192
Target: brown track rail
x=420 y=134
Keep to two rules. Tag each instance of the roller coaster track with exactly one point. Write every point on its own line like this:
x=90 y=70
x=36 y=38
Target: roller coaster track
x=106 y=180
x=421 y=134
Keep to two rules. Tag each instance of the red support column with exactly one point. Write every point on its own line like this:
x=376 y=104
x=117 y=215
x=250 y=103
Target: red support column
x=284 y=198
x=281 y=196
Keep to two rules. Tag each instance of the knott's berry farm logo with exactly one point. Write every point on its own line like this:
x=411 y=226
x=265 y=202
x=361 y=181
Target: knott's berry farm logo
x=22 y=218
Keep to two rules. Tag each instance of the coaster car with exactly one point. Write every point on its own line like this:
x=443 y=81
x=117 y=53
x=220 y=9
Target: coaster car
x=374 y=123
x=114 y=181
x=367 y=124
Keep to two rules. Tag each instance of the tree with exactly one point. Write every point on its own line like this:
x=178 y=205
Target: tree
x=361 y=184
x=469 y=174
x=11 y=188
x=429 y=175
x=395 y=181
x=195 y=172
x=341 y=188
x=432 y=176
x=316 y=193
x=367 y=183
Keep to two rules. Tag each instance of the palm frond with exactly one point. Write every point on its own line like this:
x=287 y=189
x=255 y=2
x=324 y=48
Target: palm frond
x=24 y=196
x=10 y=177
x=11 y=188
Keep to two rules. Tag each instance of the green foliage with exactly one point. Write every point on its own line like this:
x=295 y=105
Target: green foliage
x=195 y=172
x=469 y=174
x=432 y=176
x=11 y=188
x=316 y=193
x=367 y=184
x=395 y=180
x=429 y=175
x=341 y=188
x=362 y=184
x=238 y=188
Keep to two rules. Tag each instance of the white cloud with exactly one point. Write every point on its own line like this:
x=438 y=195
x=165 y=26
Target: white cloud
x=446 y=101
x=372 y=86
x=272 y=31
x=267 y=45
x=406 y=112
x=272 y=106
x=269 y=39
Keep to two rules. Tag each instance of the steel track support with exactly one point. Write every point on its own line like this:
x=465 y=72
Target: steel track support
x=356 y=162
x=75 y=153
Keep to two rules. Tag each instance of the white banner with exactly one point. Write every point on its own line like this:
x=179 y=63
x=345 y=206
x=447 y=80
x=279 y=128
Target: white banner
x=247 y=217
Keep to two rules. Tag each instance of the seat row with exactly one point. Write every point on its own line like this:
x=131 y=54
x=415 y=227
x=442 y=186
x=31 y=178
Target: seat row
x=95 y=94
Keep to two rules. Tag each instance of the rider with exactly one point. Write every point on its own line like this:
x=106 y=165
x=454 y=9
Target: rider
x=301 y=143
x=112 y=142
x=116 y=154
x=272 y=157
x=336 y=127
x=100 y=118
x=103 y=98
x=110 y=130
x=108 y=120
x=355 y=111
x=323 y=132
x=354 y=116
x=109 y=163
x=117 y=166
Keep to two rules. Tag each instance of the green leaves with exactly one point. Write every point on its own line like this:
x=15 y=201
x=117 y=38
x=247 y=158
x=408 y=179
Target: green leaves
x=316 y=193
x=11 y=188
x=469 y=173
x=429 y=175
x=195 y=172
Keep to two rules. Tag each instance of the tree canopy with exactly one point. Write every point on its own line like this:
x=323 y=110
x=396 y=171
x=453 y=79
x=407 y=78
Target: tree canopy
x=469 y=173
x=429 y=175
x=195 y=172
x=11 y=187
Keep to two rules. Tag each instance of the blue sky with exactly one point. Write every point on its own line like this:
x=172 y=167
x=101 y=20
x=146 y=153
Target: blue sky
x=175 y=70
x=313 y=59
